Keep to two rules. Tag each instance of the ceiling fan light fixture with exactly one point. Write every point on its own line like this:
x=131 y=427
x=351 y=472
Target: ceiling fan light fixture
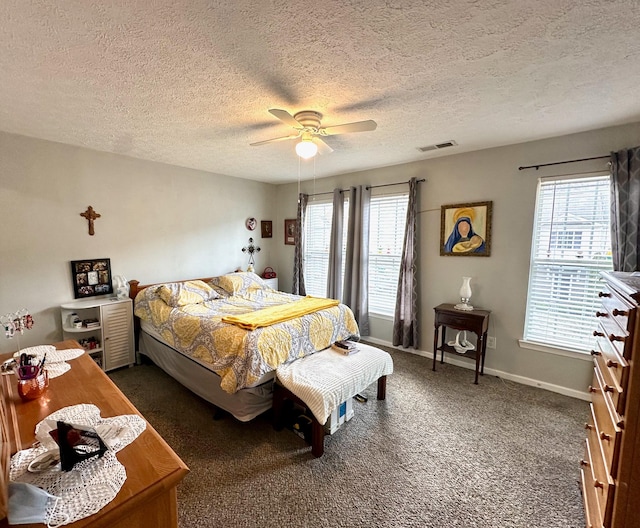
x=306 y=149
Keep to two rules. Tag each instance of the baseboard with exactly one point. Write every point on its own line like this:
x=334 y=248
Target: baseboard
x=580 y=395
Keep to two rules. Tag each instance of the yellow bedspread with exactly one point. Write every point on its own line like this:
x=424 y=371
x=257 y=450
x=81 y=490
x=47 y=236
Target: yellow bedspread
x=278 y=314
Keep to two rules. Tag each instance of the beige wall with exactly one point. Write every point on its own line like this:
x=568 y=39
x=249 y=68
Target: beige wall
x=499 y=282
x=158 y=222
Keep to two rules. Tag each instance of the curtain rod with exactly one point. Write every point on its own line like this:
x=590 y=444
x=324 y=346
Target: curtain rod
x=389 y=184
x=368 y=187
x=562 y=162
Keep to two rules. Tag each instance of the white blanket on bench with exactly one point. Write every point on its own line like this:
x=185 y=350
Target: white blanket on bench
x=326 y=379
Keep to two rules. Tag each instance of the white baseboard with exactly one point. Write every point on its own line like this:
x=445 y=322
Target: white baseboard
x=492 y=372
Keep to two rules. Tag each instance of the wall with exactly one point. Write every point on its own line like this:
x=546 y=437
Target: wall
x=500 y=281
x=158 y=222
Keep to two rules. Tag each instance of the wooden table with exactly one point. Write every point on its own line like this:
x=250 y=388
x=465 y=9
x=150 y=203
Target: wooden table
x=148 y=496
x=476 y=321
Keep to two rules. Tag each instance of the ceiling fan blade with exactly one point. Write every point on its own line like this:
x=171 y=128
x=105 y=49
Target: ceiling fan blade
x=323 y=148
x=274 y=140
x=285 y=117
x=359 y=126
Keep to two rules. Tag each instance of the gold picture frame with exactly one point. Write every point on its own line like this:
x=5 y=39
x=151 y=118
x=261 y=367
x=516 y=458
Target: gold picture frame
x=465 y=229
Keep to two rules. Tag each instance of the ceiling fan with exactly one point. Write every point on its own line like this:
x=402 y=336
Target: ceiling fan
x=310 y=132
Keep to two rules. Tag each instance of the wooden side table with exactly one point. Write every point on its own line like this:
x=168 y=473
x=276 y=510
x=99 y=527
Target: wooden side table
x=476 y=321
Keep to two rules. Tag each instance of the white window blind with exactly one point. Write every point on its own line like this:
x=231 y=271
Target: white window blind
x=316 y=249
x=571 y=245
x=386 y=237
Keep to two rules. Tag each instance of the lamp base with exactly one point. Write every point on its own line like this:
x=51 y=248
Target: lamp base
x=464 y=306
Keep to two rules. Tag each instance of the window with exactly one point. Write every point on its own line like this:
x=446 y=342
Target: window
x=316 y=247
x=571 y=245
x=386 y=236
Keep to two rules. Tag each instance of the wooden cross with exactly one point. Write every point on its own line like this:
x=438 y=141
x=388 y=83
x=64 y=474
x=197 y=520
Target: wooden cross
x=90 y=215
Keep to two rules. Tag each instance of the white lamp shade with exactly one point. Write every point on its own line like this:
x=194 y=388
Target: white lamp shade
x=306 y=149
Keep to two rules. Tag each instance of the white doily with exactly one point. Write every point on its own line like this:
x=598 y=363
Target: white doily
x=55 y=364
x=53 y=355
x=91 y=484
x=57 y=369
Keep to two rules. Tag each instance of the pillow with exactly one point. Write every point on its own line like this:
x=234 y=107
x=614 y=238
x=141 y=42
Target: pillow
x=238 y=283
x=178 y=294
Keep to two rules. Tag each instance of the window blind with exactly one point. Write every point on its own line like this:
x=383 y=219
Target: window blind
x=386 y=238
x=571 y=245
x=316 y=248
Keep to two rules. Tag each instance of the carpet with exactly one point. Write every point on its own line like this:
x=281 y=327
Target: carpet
x=439 y=452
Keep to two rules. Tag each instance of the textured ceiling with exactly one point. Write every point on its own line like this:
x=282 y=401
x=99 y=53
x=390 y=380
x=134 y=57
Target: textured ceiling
x=189 y=82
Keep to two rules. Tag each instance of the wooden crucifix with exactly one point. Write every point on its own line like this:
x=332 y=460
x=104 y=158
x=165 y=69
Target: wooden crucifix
x=90 y=215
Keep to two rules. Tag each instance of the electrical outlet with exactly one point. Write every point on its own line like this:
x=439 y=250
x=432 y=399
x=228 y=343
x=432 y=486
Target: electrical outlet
x=491 y=342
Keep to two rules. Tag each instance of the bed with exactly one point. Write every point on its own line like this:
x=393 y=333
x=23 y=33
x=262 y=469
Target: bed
x=182 y=327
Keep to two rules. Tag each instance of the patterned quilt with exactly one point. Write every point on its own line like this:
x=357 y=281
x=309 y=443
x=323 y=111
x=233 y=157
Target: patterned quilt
x=241 y=357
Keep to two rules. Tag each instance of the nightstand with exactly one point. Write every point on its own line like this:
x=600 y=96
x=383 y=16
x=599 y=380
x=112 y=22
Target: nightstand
x=476 y=321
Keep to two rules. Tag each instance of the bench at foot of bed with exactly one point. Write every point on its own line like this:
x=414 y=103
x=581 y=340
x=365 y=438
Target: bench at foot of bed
x=322 y=381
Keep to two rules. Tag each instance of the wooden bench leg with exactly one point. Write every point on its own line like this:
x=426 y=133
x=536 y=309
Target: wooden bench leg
x=317 y=438
x=382 y=387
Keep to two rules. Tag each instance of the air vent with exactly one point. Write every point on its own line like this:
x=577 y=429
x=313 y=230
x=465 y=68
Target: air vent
x=438 y=146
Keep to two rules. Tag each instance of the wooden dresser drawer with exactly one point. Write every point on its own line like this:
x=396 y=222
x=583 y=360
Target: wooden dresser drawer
x=607 y=423
x=611 y=384
x=617 y=365
x=619 y=339
x=597 y=487
x=619 y=310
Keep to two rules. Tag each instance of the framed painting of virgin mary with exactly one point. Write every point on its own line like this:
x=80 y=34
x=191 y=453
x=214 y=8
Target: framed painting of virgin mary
x=465 y=230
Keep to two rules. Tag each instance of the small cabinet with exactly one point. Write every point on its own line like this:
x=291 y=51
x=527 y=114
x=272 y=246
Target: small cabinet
x=105 y=332
x=273 y=283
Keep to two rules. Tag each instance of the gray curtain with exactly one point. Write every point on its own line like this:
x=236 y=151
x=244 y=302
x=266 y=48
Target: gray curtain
x=334 y=277
x=298 y=269
x=625 y=209
x=405 y=321
x=356 y=269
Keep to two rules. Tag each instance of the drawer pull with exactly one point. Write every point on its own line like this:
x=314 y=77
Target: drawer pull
x=598 y=484
x=608 y=388
x=602 y=314
x=584 y=463
x=612 y=364
x=592 y=389
x=588 y=426
x=595 y=352
x=613 y=337
x=605 y=436
x=598 y=334
x=604 y=294
x=621 y=313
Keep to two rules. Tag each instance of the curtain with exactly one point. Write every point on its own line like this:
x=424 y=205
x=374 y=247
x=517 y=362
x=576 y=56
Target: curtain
x=334 y=278
x=356 y=269
x=298 y=270
x=405 y=321
x=625 y=209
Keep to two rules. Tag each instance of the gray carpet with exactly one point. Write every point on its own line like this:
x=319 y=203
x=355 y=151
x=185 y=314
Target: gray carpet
x=439 y=452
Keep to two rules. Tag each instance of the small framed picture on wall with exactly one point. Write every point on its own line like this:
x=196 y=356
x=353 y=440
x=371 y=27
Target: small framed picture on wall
x=290 y=232
x=266 y=228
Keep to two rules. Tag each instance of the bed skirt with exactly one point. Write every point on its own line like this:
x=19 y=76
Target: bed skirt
x=244 y=405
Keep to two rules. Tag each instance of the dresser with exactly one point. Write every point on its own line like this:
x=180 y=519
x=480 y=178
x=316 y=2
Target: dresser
x=148 y=496
x=610 y=468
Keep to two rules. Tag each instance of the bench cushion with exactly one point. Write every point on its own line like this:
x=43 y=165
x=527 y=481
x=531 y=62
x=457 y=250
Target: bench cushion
x=327 y=378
